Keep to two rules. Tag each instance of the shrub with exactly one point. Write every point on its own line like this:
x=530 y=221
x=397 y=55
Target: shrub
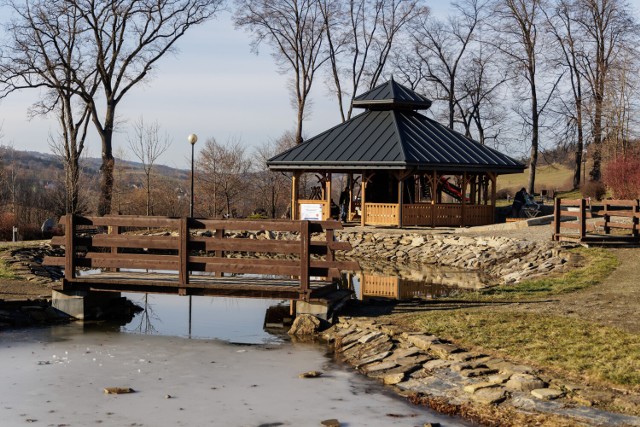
x=622 y=176
x=594 y=189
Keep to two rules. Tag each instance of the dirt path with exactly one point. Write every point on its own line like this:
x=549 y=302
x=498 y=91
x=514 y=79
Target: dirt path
x=614 y=302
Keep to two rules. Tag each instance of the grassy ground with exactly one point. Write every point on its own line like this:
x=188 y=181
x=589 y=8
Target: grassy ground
x=576 y=347
x=598 y=264
x=550 y=176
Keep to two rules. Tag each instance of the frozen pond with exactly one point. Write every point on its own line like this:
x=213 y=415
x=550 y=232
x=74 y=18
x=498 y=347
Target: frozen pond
x=56 y=376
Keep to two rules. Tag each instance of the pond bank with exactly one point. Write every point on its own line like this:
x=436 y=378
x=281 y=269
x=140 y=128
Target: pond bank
x=482 y=388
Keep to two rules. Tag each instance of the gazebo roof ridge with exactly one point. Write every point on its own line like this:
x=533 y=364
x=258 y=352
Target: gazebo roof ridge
x=391 y=95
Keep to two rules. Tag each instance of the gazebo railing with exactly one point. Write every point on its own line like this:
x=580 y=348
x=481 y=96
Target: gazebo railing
x=382 y=213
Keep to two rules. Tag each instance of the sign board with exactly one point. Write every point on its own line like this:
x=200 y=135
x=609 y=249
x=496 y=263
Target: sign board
x=311 y=211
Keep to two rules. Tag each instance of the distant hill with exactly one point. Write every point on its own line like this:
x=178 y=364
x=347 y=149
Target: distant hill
x=48 y=166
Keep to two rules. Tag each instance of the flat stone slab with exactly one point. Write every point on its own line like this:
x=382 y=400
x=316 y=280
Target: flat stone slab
x=524 y=382
x=472 y=388
x=423 y=342
x=546 y=393
x=489 y=396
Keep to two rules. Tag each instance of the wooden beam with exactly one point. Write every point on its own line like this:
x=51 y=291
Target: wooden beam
x=294 y=195
x=305 y=237
x=363 y=199
x=327 y=185
x=69 y=248
x=183 y=253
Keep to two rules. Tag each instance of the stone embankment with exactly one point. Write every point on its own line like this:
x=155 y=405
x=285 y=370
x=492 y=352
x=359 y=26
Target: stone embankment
x=432 y=371
x=26 y=263
x=504 y=259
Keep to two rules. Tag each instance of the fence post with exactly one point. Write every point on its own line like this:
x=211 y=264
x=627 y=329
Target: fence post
x=114 y=230
x=583 y=218
x=606 y=218
x=557 y=206
x=69 y=247
x=183 y=252
x=636 y=219
x=219 y=235
x=304 y=259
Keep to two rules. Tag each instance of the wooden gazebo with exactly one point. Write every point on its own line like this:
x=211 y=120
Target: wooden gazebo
x=411 y=169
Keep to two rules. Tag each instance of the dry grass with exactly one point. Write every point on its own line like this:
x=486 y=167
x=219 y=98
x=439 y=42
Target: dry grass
x=575 y=347
x=549 y=176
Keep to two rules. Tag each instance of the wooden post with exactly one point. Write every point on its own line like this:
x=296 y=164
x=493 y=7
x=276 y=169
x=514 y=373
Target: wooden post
x=183 y=253
x=327 y=191
x=636 y=220
x=350 y=208
x=363 y=199
x=434 y=191
x=583 y=218
x=294 y=195
x=606 y=218
x=69 y=247
x=304 y=260
x=219 y=235
x=463 y=190
x=114 y=230
x=557 y=206
x=400 y=191
x=494 y=179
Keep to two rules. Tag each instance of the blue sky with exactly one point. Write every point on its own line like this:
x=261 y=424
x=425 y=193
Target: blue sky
x=214 y=86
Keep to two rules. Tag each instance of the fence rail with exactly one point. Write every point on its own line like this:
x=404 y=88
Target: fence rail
x=582 y=221
x=184 y=246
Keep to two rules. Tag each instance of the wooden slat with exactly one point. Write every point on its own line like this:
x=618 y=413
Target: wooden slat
x=570 y=202
x=130 y=221
x=245 y=265
x=246 y=245
x=625 y=214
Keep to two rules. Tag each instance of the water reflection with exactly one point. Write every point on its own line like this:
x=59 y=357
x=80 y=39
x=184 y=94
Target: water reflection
x=402 y=282
x=230 y=319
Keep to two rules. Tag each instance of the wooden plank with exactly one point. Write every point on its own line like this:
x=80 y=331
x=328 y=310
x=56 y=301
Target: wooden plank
x=245 y=245
x=130 y=221
x=130 y=241
x=70 y=248
x=304 y=260
x=570 y=202
x=183 y=252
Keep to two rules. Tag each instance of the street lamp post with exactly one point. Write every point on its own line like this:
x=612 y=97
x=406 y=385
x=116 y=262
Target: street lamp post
x=192 y=138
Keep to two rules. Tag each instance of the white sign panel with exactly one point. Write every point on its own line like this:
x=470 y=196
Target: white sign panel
x=311 y=211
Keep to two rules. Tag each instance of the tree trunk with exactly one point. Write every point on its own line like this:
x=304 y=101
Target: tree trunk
x=108 y=163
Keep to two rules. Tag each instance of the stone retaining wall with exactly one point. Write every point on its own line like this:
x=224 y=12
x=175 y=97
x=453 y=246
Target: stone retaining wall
x=506 y=260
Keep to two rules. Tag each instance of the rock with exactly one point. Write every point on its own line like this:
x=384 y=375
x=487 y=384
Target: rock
x=524 y=382
x=118 y=390
x=330 y=423
x=479 y=372
x=422 y=341
x=394 y=378
x=546 y=393
x=305 y=324
x=310 y=374
x=377 y=366
x=432 y=365
x=489 y=396
x=443 y=350
x=472 y=388
x=370 y=337
x=372 y=359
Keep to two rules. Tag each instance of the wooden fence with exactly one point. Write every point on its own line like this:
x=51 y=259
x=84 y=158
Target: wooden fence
x=183 y=246
x=605 y=221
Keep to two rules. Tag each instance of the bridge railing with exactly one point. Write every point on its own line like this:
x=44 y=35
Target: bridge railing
x=187 y=245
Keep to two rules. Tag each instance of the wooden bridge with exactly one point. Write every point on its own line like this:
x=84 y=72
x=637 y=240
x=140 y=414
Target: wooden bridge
x=604 y=222
x=194 y=256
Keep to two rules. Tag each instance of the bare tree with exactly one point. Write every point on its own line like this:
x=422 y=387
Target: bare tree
x=520 y=36
x=360 y=36
x=121 y=41
x=147 y=144
x=295 y=30
x=42 y=52
x=223 y=171
x=608 y=29
x=442 y=48
x=273 y=188
x=563 y=27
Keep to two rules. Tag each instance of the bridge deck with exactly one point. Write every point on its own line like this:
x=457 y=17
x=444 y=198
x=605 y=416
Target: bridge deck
x=199 y=284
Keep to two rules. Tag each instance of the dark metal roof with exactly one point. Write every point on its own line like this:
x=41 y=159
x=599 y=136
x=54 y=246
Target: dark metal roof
x=393 y=139
x=391 y=95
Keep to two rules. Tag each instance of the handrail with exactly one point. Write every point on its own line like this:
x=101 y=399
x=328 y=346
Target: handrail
x=215 y=252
